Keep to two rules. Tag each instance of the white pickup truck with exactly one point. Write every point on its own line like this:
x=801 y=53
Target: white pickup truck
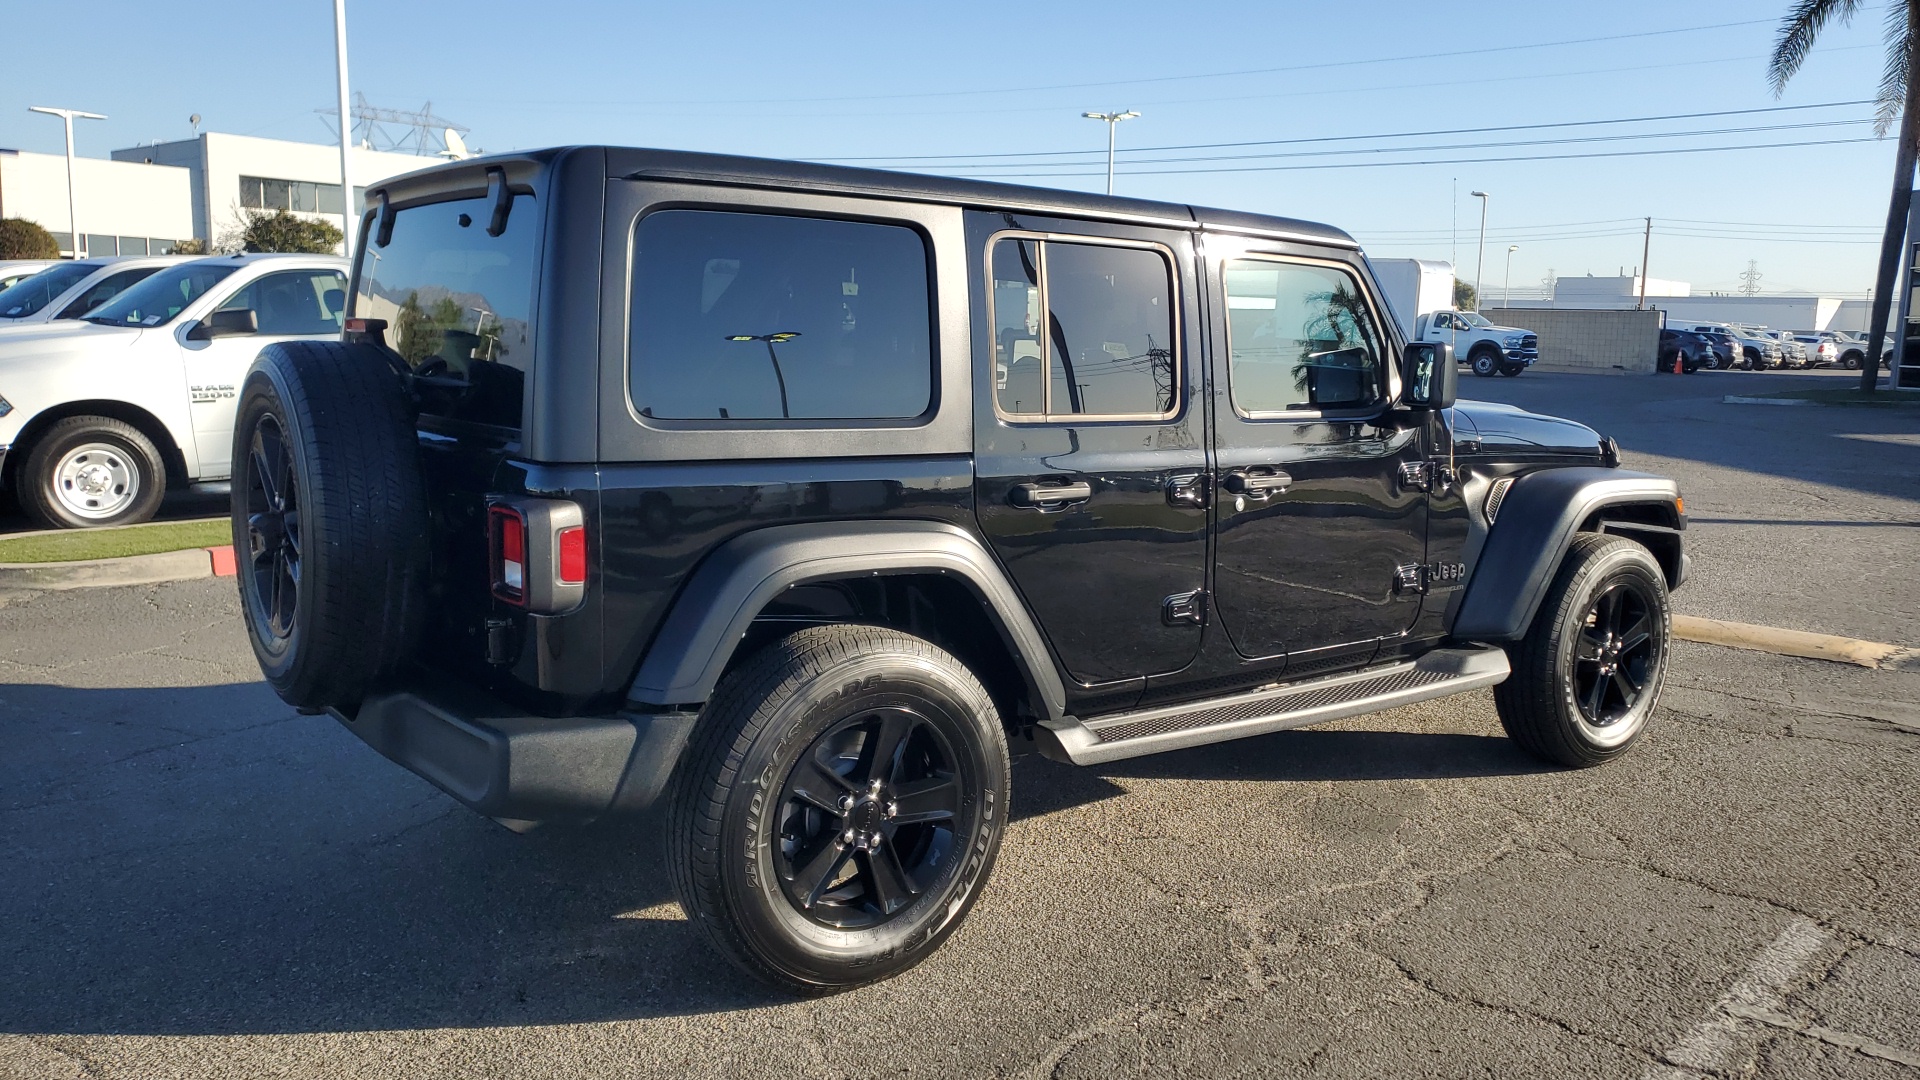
x=1420 y=292
x=98 y=417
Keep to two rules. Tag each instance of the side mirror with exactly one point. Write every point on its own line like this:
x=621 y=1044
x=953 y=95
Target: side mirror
x=229 y=323
x=1431 y=379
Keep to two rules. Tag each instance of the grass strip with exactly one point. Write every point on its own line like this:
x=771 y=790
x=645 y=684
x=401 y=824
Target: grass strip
x=77 y=544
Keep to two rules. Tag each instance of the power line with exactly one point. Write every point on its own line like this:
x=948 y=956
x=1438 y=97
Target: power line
x=1512 y=143
x=1451 y=161
x=1359 y=138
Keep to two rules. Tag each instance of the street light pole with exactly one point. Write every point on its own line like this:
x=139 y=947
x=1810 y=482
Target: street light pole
x=346 y=128
x=1480 y=262
x=1113 y=121
x=73 y=216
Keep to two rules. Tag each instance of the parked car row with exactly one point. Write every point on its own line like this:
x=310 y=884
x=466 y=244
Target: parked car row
x=118 y=376
x=1718 y=345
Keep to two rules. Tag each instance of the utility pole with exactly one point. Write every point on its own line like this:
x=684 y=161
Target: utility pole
x=1646 y=249
x=1506 y=290
x=1113 y=121
x=1480 y=262
x=347 y=214
x=73 y=215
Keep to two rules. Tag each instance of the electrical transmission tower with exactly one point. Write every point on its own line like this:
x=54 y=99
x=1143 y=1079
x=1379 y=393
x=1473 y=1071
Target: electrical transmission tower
x=1750 y=279
x=400 y=131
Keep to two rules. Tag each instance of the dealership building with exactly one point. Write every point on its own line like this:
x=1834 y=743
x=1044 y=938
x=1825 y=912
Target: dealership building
x=145 y=199
x=1677 y=299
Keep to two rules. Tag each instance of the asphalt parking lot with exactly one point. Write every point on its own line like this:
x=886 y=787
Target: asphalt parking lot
x=201 y=883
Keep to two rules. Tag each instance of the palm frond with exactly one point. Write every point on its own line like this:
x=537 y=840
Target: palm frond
x=1799 y=30
x=1900 y=54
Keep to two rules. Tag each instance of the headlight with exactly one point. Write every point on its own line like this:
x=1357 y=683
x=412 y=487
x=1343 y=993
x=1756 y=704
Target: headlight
x=1514 y=340
x=5 y=406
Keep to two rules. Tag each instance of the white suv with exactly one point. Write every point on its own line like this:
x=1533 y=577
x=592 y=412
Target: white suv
x=99 y=416
x=69 y=290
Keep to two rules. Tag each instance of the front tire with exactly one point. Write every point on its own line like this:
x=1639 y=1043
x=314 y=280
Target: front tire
x=91 y=472
x=840 y=808
x=1486 y=363
x=1588 y=673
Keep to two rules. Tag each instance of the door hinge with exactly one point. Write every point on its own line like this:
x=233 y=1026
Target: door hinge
x=1185 y=609
x=1433 y=476
x=1409 y=579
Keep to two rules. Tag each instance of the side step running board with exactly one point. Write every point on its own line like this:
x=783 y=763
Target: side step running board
x=1277 y=708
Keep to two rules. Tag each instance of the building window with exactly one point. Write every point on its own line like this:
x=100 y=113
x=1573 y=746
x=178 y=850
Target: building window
x=306 y=196
x=101 y=245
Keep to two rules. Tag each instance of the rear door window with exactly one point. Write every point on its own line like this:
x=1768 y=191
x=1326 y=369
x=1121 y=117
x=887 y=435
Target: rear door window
x=770 y=317
x=458 y=304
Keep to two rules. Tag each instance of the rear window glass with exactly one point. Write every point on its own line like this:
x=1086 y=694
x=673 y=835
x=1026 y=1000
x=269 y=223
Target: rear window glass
x=770 y=317
x=458 y=304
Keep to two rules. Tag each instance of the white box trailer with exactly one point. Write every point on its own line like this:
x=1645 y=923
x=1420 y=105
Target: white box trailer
x=1414 y=287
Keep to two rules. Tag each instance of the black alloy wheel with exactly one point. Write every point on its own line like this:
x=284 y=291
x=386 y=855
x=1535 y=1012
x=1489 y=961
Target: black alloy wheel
x=1616 y=654
x=272 y=576
x=867 y=818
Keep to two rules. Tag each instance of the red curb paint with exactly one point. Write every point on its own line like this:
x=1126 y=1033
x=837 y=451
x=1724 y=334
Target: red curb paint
x=223 y=563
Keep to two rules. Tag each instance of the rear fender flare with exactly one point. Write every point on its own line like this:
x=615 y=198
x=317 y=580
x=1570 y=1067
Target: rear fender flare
x=736 y=582
x=1538 y=520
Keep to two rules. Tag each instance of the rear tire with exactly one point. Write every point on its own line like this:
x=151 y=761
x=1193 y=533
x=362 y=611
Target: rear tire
x=1588 y=673
x=92 y=472
x=790 y=847
x=1510 y=370
x=329 y=520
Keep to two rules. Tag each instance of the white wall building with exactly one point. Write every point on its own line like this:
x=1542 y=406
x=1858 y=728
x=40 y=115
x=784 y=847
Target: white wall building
x=1677 y=300
x=125 y=208
x=234 y=172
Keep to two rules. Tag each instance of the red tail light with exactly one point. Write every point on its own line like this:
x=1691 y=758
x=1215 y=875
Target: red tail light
x=509 y=536
x=573 y=555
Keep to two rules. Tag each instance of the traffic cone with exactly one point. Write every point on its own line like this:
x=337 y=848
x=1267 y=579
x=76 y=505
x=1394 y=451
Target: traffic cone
x=1677 y=369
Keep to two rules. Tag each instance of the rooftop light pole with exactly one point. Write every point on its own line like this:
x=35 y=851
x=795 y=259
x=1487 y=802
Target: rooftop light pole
x=73 y=216
x=1113 y=121
x=346 y=128
x=1480 y=263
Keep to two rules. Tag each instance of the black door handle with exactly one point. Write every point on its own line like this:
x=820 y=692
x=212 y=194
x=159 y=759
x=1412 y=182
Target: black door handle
x=1258 y=483
x=1049 y=496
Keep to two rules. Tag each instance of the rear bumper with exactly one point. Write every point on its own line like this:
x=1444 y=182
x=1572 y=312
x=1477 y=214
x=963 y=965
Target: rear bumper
x=522 y=770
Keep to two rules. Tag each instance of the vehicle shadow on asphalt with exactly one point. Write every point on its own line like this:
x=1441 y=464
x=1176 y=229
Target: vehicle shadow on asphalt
x=244 y=870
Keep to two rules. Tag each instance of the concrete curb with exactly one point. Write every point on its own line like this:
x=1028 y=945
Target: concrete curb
x=1736 y=399
x=130 y=570
x=1772 y=639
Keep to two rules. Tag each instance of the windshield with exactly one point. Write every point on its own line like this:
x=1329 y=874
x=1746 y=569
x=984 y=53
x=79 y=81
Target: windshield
x=155 y=301
x=31 y=294
x=1474 y=319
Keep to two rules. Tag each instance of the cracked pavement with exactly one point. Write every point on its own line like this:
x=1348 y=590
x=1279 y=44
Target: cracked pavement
x=202 y=883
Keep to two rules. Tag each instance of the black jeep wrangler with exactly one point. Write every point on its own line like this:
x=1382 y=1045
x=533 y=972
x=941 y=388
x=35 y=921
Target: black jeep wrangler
x=794 y=498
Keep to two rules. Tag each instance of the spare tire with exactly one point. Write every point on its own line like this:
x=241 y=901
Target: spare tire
x=329 y=520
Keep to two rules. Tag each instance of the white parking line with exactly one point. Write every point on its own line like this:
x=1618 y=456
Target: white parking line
x=1724 y=1034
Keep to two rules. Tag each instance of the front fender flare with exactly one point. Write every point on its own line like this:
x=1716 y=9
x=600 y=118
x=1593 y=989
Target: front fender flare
x=735 y=583
x=1537 y=522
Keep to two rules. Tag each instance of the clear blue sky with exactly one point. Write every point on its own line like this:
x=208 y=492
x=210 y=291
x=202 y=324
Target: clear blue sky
x=860 y=79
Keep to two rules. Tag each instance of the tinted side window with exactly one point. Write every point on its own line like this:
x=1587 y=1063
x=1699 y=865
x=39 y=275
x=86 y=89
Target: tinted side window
x=1299 y=337
x=294 y=302
x=102 y=291
x=1096 y=340
x=768 y=317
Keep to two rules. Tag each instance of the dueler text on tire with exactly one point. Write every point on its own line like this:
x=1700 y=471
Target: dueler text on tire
x=85 y=472
x=840 y=807
x=329 y=520
x=1588 y=674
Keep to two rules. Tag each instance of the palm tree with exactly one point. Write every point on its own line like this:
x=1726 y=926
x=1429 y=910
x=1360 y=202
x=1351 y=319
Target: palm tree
x=1899 y=98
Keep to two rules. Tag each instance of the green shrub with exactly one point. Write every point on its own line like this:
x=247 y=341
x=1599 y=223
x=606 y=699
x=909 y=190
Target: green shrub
x=281 y=230
x=23 y=239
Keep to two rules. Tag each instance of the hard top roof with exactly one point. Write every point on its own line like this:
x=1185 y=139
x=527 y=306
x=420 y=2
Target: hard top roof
x=641 y=163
